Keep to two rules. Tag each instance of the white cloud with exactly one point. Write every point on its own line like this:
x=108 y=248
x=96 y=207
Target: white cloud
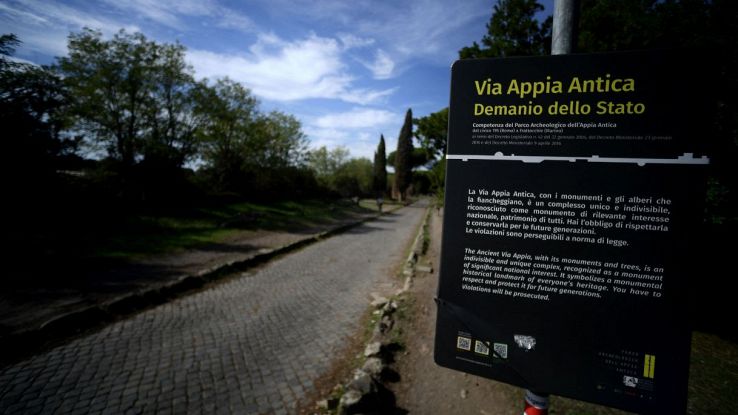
x=365 y=96
x=22 y=15
x=350 y=41
x=68 y=17
x=356 y=118
x=359 y=143
x=357 y=129
x=49 y=42
x=337 y=11
x=229 y=20
x=327 y=137
x=171 y=14
x=382 y=67
x=43 y=27
x=158 y=12
x=426 y=29
x=286 y=71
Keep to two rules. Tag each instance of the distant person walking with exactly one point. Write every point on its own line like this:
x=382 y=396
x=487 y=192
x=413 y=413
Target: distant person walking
x=380 y=201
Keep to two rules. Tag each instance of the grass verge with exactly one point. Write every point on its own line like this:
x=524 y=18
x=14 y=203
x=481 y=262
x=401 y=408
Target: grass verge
x=162 y=232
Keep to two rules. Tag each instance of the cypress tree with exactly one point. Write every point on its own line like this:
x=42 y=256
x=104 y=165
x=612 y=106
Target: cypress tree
x=380 y=168
x=403 y=162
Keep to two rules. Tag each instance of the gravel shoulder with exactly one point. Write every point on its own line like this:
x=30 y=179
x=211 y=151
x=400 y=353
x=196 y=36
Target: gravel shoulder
x=426 y=388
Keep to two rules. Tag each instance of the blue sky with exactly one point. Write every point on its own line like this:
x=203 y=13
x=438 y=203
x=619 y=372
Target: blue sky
x=347 y=69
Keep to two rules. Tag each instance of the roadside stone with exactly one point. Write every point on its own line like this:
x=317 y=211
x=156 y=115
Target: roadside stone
x=373 y=366
x=424 y=268
x=326 y=404
x=348 y=400
x=372 y=349
x=385 y=325
x=377 y=336
x=362 y=382
x=390 y=307
x=378 y=301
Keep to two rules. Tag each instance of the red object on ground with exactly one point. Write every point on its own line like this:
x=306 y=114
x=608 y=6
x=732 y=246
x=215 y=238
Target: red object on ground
x=535 y=404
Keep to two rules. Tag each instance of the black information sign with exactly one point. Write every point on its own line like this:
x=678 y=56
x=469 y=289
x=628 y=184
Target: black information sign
x=574 y=184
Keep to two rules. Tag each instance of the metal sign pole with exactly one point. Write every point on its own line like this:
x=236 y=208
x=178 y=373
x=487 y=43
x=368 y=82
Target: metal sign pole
x=536 y=403
x=565 y=22
x=564 y=39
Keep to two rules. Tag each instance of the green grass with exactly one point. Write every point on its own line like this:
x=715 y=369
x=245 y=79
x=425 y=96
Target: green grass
x=387 y=206
x=147 y=234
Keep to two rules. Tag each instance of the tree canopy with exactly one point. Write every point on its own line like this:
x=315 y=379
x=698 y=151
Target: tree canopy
x=137 y=102
x=709 y=26
x=32 y=101
x=513 y=30
x=131 y=96
x=432 y=133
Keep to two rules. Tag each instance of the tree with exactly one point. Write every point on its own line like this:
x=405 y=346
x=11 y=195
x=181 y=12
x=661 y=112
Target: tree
x=339 y=174
x=132 y=97
x=418 y=158
x=278 y=141
x=612 y=25
x=171 y=113
x=403 y=161
x=605 y=28
x=325 y=164
x=275 y=156
x=230 y=113
x=245 y=151
x=108 y=80
x=8 y=43
x=31 y=102
x=432 y=133
x=380 y=168
x=354 y=178
x=513 y=31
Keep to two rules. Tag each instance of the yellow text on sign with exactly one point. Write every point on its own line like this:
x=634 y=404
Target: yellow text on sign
x=649 y=366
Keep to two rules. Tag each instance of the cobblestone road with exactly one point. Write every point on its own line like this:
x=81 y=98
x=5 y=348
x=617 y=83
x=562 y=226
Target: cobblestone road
x=254 y=344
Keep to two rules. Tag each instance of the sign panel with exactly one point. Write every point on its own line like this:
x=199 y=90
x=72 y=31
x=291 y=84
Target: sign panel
x=573 y=186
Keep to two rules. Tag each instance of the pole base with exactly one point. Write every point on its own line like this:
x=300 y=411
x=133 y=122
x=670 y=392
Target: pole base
x=536 y=403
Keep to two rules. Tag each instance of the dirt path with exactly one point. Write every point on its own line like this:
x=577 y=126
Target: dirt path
x=426 y=388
